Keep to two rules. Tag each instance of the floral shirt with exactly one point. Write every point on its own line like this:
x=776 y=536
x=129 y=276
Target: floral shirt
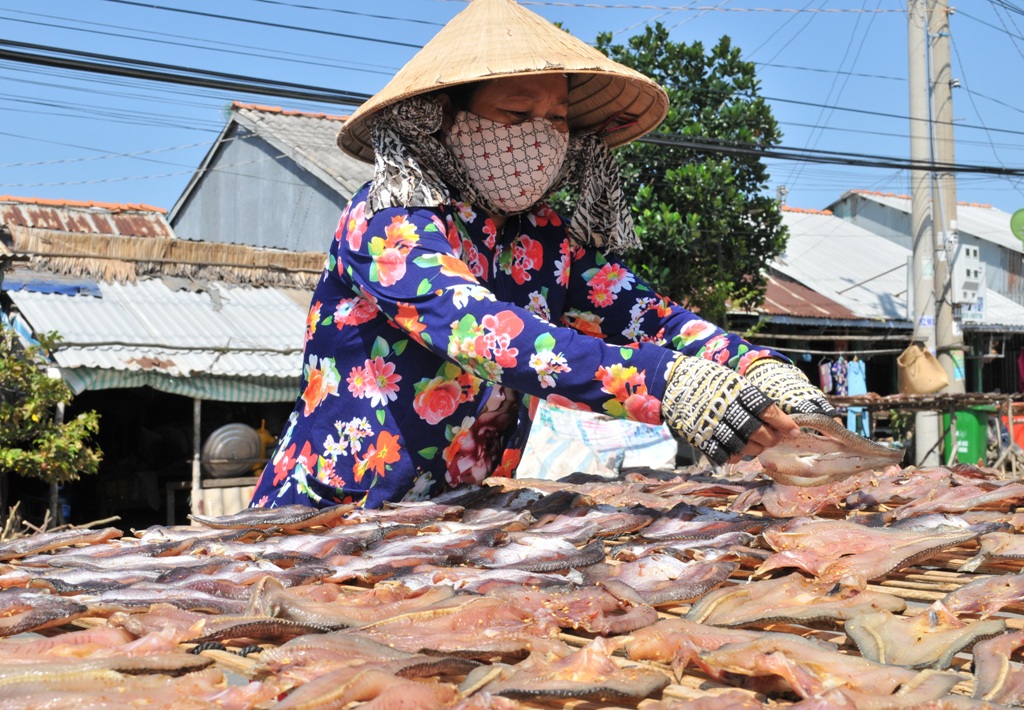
x=431 y=331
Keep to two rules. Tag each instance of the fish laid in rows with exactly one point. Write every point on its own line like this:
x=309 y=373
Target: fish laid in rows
x=538 y=554
x=838 y=550
x=306 y=658
x=683 y=549
x=374 y=686
x=929 y=639
x=587 y=674
x=606 y=609
x=780 y=501
x=679 y=642
x=827 y=454
x=688 y=522
x=471 y=626
x=987 y=595
x=996 y=677
x=660 y=578
x=332 y=606
x=901 y=487
x=285 y=518
x=810 y=668
x=793 y=599
x=995 y=546
x=481 y=581
x=44 y=542
x=23 y=611
x=198 y=690
x=958 y=499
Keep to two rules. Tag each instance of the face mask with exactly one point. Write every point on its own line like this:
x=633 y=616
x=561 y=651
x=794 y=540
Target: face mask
x=513 y=166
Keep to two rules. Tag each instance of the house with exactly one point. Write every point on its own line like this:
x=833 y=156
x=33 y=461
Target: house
x=273 y=178
x=860 y=304
x=980 y=225
x=169 y=340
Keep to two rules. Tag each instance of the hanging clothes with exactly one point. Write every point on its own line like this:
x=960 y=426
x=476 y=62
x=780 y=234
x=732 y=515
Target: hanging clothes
x=839 y=377
x=825 y=375
x=857 y=418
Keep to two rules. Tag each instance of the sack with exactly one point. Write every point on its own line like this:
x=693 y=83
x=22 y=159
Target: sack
x=920 y=372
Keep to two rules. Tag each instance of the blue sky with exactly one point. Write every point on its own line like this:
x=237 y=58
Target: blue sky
x=77 y=136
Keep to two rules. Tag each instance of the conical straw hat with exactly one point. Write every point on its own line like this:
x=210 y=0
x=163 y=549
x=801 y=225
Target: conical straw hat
x=495 y=38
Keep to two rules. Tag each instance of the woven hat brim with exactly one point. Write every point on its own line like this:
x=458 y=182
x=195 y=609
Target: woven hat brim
x=491 y=39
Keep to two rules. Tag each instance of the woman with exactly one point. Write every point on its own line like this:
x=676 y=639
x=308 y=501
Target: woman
x=454 y=296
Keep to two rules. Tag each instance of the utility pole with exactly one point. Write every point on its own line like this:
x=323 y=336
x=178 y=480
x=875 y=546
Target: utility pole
x=948 y=331
x=933 y=206
x=926 y=424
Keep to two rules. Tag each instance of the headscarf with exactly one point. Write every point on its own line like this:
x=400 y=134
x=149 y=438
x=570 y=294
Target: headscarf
x=413 y=168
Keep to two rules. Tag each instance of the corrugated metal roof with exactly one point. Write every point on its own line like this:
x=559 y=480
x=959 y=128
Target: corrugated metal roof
x=863 y=272
x=308 y=138
x=223 y=331
x=977 y=219
x=786 y=297
x=85 y=217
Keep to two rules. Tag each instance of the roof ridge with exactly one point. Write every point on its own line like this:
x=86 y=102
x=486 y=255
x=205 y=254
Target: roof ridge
x=965 y=203
x=238 y=105
x=108 y=206
x=806 y=210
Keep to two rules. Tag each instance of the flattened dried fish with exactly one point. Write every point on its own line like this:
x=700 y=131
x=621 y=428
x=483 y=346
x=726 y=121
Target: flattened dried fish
x=287 y=517
x=22 y=611
x=986 y=595
x=794 y=598
x=995 y=546
x=588 y=674
x=662 y=578
x=538 y=554
x=929 y=639
x=44 y=542
x=812 y=668
x=996 y=678
x=825 y=457
x=839 y=550
x=376 y=687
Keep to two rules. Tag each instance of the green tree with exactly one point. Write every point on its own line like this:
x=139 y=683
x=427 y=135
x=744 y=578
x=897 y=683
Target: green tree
x=706 y=224
x=32 y=442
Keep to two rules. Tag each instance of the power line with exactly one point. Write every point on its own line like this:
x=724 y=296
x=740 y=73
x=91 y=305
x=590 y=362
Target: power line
x=351 y=12
x=275 y=25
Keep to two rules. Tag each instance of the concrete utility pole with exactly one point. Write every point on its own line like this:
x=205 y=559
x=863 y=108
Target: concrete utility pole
x=949 y=340
x=933 y=205
x=926 y=424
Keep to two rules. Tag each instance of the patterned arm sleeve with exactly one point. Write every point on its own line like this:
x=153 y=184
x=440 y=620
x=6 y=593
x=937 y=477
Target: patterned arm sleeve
x=408 y=263
x=610 y=300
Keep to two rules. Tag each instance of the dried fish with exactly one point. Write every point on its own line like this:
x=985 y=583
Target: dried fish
x=825 y=457
x=588 y=674
x=288 y=517
x=812 y=668
x=660 y=578
x=538 y=554
x=929 y=639
x=995 y=546
x=343 y=687
x=996 y=678
x=22 y=611
x=44 y=542
x=986 y=595
x=794 y=598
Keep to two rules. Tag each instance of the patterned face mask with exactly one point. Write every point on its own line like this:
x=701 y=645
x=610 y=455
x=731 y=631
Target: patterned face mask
x=512 y=165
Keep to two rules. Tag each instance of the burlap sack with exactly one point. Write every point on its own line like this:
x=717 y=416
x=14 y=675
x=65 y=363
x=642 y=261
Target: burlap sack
x=920 y=372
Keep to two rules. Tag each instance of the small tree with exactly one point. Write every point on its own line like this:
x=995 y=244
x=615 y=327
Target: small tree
x=32 y=442
x=706 y=225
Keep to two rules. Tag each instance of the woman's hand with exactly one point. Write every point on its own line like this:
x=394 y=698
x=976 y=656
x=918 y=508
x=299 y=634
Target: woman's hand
x=776 y=426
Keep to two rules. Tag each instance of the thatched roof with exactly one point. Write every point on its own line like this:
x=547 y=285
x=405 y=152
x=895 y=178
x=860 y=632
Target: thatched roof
x=121 y=259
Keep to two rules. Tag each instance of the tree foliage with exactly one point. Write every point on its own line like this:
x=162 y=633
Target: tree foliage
x=706 y=224
x=32 y=442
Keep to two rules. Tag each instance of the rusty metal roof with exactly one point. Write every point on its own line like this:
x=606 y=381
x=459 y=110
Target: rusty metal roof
x=132 y=220
x=786 y=297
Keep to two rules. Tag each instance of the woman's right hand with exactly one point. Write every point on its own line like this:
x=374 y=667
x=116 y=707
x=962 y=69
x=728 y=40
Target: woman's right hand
x=776 y=426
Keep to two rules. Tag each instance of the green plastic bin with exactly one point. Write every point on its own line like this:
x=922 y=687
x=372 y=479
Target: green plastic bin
x=971 y=433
